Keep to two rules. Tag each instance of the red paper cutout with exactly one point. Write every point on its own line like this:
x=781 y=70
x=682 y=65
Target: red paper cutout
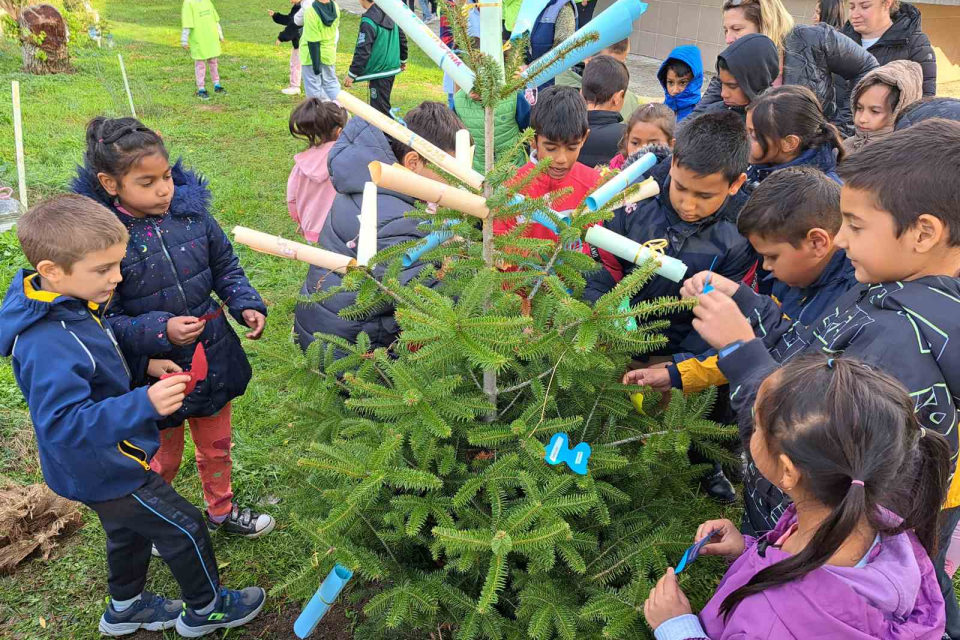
x=198 y=370
x=214 y=314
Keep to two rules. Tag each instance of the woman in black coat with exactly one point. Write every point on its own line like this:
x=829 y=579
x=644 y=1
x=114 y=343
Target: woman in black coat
x=810 y=55
x=890 y=30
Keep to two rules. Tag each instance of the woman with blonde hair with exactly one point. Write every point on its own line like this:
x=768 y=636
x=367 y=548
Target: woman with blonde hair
x=809 y=54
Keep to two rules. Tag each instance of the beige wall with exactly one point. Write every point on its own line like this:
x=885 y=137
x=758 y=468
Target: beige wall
x=941 y=23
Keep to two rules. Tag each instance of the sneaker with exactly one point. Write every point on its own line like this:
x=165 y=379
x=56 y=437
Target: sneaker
x=290 y=91
x=218 y=89
x=233 y=609
x=151 y=612
x=154 y=551
x=202 y=94
x=246 y=523
x=432 y=20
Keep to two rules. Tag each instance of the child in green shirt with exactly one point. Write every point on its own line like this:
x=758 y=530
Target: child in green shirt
x=201 y=37
x=321 y=32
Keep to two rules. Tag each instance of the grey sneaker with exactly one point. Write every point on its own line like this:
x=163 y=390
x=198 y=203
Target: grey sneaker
x=233 y=609
x=151 y=612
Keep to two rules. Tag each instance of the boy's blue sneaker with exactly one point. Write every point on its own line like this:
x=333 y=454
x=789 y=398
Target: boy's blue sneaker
x=233 y=609
x=151 y=612
x=202 y=94
x=217 y=88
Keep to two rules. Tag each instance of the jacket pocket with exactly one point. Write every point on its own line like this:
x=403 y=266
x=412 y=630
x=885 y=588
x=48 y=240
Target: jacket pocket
x=135 y=453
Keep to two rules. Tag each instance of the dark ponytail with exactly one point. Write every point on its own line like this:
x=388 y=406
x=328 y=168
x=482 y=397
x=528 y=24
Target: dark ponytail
x=852 y=433
x=793 y=110
x=114 y=145
x=317 y=121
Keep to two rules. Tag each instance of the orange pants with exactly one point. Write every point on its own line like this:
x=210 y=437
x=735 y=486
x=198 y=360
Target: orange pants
x=212 y=441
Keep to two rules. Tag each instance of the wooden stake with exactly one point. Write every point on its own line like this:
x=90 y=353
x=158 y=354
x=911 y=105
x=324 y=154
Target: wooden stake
x=126 y=85
x=18 y=137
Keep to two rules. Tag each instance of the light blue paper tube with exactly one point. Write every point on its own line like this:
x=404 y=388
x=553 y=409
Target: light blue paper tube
x=621 y=181
x=540 y=217
x=325 y=596
x=529 y=11
x=431 y=241
x=613 y=25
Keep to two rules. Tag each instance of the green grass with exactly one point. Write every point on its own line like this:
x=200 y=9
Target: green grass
x=240 y=142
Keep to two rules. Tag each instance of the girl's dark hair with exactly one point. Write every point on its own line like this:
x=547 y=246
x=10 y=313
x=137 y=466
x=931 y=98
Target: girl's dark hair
x=833 y=12
x=655 y=113
x=838 y=420
x=432 y=121
x=893 y=93
x=793 y=110
x=114 y=145
x=316 y=121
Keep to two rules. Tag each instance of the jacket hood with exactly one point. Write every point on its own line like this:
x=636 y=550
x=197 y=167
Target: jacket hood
x=24 y=306
x=313 y=162
x=906 y=22
x=821 y=157
x=689 y=55
x=905 y=75
x=359 y=144
x=191 y=194
x=376 y=14
x=948 y=108
x=327 y=12
x=754 y=62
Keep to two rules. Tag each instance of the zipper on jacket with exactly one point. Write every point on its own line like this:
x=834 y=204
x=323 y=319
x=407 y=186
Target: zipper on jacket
x=173 y=267
x=132 y=451
x=113 y=339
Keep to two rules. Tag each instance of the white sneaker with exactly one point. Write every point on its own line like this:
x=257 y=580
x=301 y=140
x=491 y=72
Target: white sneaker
x=432 y=20
x=154 y=552
x=290 y=91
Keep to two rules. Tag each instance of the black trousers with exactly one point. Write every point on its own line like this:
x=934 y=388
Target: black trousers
x=380 y=90
x=948 y=522
x=156 y=514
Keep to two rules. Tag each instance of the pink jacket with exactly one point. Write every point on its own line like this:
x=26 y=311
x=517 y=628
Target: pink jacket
x=309 y=190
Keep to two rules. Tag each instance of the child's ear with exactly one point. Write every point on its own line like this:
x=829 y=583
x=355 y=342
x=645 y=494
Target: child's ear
x=820 y=242
x=412 y=161
x=736 y=184
x=790 y=476
x=789 y=144
x=50 y=271
x=619 y=97
x=927 y=232
x=108 y=183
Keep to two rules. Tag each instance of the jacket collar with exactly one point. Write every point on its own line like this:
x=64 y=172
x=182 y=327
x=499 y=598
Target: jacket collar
x=679 y=229
x=822 y=157
x=601 y=117
x=838 y=269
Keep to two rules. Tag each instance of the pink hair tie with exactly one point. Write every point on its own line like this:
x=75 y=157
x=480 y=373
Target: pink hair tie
x=859 y=482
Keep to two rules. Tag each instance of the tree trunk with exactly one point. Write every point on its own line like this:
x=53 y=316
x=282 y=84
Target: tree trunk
x=45 y=48
x=489 y=375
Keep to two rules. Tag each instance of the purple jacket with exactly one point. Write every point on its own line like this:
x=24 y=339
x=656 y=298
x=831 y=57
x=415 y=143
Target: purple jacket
x=894 y=597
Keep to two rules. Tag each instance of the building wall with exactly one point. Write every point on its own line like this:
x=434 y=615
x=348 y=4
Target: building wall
x=941 y=22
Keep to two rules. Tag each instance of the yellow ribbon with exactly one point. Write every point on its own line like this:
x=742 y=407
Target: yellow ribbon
x=655 y=246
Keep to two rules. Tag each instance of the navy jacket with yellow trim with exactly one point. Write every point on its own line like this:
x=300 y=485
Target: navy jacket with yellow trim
x=96 y=436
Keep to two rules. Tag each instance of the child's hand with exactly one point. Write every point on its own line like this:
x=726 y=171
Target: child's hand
x=186 y=47
x=166 y=396
x=657 y=377
x=403 y=66
x=666 y=601
x=270 y=13
x=158 y=368
x=278 y=43
x=183 y=330
x=728 y=542
x=256 y=321
x=693 y=286
x=719 y=321
x=347 y=81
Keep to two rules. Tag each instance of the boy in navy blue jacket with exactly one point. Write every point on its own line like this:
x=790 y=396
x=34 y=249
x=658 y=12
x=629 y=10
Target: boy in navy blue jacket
x=95 y=432
x=901 y=232
x=695 y=214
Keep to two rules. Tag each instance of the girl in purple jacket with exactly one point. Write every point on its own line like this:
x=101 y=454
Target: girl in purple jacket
x=841 y=440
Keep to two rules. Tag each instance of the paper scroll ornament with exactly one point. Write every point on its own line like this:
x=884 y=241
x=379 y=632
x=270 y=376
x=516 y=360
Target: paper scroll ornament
x=613 y=25
x=619 y=182
x=648 y=189
x=277 y=246
x=464 y=150
x=396 y=130
x=559 y=451
x=322 y=600
x=198 y=370
x=367 y=240
x=491 y=30
x=527 y=17
x=430 y=42
x=634 y=252
x=396 y=178
x=429 y=243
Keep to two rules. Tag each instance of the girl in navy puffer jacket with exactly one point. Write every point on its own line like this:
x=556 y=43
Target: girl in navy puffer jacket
x=177 y=256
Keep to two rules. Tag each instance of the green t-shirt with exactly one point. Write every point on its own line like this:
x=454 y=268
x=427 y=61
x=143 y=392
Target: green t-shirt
x=202 y=19
x=315 y=31
x=511 y=9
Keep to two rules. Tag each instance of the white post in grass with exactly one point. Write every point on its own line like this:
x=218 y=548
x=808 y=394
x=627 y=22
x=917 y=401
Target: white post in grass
x=126 y=85
x=18 y=137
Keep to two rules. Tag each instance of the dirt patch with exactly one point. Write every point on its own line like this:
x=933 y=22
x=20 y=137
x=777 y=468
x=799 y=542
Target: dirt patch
x=31 y=520
x=216 y=108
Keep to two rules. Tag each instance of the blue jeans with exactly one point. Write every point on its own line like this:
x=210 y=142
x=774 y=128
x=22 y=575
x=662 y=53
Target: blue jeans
x=325 y=86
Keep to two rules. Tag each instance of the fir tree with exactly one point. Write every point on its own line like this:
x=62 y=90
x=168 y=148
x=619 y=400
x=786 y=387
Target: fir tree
x=430 y=453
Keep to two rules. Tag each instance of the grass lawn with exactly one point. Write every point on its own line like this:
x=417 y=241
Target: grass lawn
x=240 y=141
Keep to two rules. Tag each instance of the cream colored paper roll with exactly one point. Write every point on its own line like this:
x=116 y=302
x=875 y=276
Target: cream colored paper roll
x=648 y=189
x=367 y=241
x=464 y=154
x=403 y=181
x=427 y=149
x=277 y=246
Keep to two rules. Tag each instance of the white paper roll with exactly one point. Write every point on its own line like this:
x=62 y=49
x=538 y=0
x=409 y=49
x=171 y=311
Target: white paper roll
x=367 y=241
x=634 y=252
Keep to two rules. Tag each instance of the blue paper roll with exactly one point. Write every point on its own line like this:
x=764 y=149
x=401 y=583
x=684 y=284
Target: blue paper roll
x=621 y=181
x=432 y=241
x=321 y=601
x=613 y=25
x=527 y=16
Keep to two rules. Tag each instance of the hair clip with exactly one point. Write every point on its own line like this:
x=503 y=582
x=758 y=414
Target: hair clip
x=923 y=432
x=858 y=482
x=829 y=363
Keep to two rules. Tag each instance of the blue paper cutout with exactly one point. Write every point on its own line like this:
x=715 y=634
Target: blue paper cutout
x=693 y=552
x=559 y=451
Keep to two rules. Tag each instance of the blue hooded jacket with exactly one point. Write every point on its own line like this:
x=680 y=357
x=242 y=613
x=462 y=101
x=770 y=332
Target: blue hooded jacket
x=684 y=102
x=95 y=436
x=173 y=263
x=821 y=157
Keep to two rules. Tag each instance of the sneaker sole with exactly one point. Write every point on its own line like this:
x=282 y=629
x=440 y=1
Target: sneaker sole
x=197 y=632
x=126 y=628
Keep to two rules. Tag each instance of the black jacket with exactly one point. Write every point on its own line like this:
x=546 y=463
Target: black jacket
x=948 y=108
x=291 y=32
x=754 y=62
x=904 y=40
x=358 y=145
x=812 y=54
x=606 y=131
x=696 y=244
x=874 y=323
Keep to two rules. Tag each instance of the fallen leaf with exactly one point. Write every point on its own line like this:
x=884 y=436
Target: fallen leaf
x=43 y=622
